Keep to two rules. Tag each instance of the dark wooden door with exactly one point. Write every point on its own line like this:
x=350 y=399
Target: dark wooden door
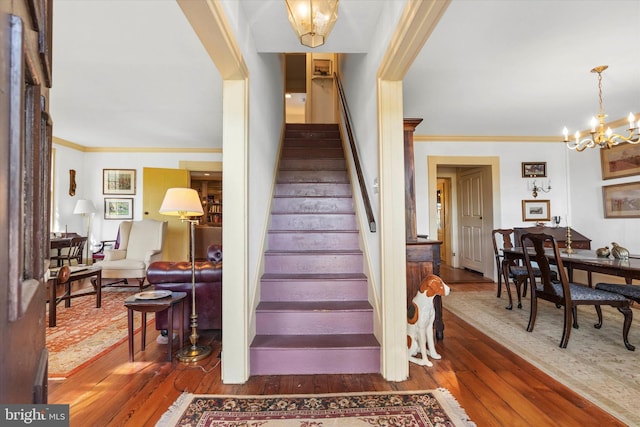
x=25 y=158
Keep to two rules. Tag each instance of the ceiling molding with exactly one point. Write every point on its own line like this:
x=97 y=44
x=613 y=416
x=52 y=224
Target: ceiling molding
x=416 y=24
x=84 y=149
x=486 y=138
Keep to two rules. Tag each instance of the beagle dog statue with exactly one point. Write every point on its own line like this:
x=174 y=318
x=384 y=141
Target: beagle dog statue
x=420 y=316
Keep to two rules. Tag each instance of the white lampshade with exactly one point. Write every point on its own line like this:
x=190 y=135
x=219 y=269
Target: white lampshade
x=182 y=202
x=84 y=207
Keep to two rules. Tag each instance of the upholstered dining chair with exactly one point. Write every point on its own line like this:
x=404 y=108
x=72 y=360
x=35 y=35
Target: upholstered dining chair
x=563 y=293
x=503 y=238
x=141 y=243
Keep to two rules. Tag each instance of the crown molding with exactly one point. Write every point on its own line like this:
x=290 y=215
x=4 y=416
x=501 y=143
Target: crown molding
x=85 y=149
x=486 y=138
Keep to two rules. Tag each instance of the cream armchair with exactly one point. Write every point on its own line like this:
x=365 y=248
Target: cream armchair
x=141 y=243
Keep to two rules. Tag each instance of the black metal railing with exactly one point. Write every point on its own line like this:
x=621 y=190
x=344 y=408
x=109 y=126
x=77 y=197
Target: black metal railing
x=354 y=152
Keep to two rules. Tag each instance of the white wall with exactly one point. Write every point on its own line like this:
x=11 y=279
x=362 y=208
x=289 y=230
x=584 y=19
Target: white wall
x=266 y=118
x=89 y=166
x=585 y=179
x=359 y=78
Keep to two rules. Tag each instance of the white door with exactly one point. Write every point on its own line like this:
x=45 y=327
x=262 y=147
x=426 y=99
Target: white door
x=470 y=209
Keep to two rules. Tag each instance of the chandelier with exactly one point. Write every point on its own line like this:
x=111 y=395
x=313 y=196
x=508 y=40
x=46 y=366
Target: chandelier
x=599 y=136
x=312 y=20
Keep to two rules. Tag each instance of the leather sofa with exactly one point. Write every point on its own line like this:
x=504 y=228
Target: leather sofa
x=176 y=276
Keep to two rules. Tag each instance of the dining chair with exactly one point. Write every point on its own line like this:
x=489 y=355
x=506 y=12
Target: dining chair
x=503 y=238
x=70 y=250
x=563 y=293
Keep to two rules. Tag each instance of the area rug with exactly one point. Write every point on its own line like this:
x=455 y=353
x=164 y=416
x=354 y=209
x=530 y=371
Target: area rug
x=84 y=332
x=416 y=408
x=595 y=363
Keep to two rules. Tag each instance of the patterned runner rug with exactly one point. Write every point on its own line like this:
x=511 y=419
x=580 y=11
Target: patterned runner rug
x=416 y=408
x=595 y=363
x=84 y=332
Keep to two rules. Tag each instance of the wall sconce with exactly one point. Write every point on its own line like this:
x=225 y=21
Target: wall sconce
x=534 y=188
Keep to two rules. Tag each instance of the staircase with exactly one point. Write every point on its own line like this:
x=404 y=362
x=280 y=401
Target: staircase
x=313 y=316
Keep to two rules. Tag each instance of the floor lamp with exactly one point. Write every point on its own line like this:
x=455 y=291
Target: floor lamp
x=85 y=208
x=185 y=203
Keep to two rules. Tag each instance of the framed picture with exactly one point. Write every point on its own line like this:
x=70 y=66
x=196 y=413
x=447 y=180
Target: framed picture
x=321 y=67
x=118 y=181
x=535 y=210
x=621 y=200
x=118 y=208
x=620 y=160
x=534 y=169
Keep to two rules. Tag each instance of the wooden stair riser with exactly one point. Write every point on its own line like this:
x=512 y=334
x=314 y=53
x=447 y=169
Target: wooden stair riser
x=313 y=222
x=313 y=164
x=312 y=134
x=310 y=361
x=307 y=262
x=313 y=205
x=295 y=322
x=318 y=143
x=336 y=177
x=307 y=189
x=313 y=290
x=310 y=240
x=312 y=152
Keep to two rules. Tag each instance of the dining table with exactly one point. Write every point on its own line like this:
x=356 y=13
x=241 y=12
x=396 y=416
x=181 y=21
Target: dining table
x=587 y=260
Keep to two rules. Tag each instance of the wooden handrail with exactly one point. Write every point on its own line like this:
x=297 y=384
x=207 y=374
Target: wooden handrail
x=354 y=153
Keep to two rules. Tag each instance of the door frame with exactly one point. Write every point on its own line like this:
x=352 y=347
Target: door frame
x=492 y=202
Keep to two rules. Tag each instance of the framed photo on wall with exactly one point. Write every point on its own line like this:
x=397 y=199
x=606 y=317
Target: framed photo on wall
x=118 y=208
x=620 y=160
x=118 y=181
x=535 y=210
x=534 y=169
x=621 y=200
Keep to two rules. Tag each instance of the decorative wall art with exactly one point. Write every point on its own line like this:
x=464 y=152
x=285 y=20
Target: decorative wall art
x=534 y=169
x=118 y=208
x=620 y=160
x=118 y=181
x=535 y=210
x=621 y=200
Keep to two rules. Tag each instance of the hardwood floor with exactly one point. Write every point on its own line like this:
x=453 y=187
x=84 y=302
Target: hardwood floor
x=493 y=385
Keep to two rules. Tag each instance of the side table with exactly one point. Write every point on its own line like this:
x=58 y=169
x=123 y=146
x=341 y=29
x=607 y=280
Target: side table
x=135 y=303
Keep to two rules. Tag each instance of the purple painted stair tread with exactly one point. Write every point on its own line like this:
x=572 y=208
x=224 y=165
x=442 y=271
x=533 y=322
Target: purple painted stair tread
x=315 y=341
x=314 y=306
x=313 y=276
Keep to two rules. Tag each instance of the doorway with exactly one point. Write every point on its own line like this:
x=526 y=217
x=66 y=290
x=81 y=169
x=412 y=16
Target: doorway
x=451 y=168
x=295 y=85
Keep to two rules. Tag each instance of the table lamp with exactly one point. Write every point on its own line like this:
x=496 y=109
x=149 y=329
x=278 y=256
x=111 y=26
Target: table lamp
x=185 y=203
x=85 y=208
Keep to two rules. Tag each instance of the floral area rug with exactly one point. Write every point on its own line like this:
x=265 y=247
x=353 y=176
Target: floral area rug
x=84 y=332
x=416 y=408
x=595 y=363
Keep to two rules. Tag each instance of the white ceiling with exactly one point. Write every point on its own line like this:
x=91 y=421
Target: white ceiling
x=133 y=73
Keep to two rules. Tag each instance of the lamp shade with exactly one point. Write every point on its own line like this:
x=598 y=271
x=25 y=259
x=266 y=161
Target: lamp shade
x=182 y=202
x=84 y=207
x=312 y=20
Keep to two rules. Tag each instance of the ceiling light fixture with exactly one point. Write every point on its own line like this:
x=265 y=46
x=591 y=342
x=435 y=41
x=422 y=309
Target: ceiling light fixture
x=312 y=20
x=599 y=136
